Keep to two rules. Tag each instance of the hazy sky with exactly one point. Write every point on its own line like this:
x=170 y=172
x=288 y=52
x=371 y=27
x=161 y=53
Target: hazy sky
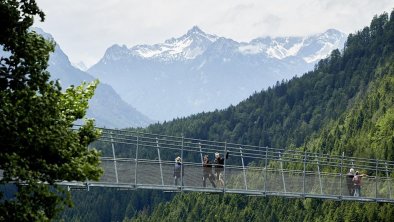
x=86 y=28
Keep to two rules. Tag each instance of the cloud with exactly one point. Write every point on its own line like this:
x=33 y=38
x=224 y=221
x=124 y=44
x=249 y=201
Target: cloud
x=85 y=29
x=269 y=22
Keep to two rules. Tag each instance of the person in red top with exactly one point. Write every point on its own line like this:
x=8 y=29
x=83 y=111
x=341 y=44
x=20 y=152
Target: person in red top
x=357 y=183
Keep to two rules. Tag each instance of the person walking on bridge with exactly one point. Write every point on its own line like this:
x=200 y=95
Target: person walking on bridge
x=219 y=163
x=207 y=172
x=349 y=181
x=178 y=170
x=357 y=183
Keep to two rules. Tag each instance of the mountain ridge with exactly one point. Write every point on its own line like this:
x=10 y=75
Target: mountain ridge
x=172 y=49
x=199 y=72
x=106 y=106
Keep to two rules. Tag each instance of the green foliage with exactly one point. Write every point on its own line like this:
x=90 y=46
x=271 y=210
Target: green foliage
x=230 y=207
x=366 y=130
x=345 y=105
x=38 y=145
x=105 y=204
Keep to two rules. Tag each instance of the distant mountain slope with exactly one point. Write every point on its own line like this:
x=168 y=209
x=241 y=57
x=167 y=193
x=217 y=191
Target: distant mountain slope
x=106 y=107
x=202 y=72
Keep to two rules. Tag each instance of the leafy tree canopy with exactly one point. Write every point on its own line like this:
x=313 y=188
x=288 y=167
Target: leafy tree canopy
x=38 y=146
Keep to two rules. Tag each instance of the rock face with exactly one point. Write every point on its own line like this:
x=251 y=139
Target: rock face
x=202 y=72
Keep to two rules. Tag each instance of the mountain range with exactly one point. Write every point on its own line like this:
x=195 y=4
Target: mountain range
x=345 y=106
x=106 y=106
x=202 y=72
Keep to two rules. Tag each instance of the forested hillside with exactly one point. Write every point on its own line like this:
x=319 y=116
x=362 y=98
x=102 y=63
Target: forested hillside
x=203 y=207
x=106 y=204
x=346 y=104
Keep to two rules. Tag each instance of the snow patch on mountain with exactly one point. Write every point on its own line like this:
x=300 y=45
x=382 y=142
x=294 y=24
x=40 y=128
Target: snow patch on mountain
x=321 y=54
x=310 y=49
x=186 y=47
x=324 y=43
x=278 y=50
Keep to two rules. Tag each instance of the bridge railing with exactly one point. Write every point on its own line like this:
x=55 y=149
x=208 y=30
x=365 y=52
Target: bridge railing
x=141 y=160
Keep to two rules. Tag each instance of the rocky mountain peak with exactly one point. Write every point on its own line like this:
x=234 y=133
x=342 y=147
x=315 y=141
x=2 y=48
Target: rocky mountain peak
x=195 y=30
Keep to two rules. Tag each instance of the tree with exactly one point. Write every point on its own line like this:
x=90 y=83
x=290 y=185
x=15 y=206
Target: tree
x=38 y=145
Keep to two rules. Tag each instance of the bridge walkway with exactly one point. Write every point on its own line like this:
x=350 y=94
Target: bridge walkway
x=135 y=160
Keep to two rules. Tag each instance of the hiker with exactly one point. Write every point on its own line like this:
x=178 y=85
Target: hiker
x=357 y=183
x=207 y=172
x=178 y=169
x=349 y=181
x=219 y=162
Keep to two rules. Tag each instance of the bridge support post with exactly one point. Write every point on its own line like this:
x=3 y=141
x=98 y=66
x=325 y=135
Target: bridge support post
x=376 y=179
x=183 y=162
x=388 y=180
x=224 y=172
x=304 y=173
x=265 y=169
x=243 y=168
x=114 y=156
x=340 y=175
x=283 y=173
x=202 y=160
x=318 y=172
x=136 y=162
x=158 y=154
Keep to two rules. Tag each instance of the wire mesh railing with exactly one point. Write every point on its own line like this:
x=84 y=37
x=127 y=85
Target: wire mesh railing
x=143 y=160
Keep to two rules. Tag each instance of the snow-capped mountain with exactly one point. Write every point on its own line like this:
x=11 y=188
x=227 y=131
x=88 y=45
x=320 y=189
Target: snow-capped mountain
x=310 y=48
x=106 y=106
x=202 y=72
x=188 y=46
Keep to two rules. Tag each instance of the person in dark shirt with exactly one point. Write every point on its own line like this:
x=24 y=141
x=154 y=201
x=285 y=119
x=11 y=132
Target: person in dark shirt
x=219 y=163
x=178 y=170
x=207 y=172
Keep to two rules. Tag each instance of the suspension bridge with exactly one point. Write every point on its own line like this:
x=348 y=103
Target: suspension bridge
x=136 y=160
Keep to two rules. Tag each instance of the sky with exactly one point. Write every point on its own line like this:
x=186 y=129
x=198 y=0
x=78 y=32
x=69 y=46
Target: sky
x=84 y=29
